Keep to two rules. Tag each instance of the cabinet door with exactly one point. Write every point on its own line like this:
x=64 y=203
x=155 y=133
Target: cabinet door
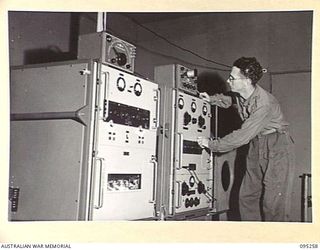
x=49 y=145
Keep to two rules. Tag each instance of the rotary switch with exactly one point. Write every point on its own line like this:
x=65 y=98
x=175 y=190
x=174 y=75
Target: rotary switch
x=201 y=121
x=186 y=118
x=184 y=188
x=201 y=188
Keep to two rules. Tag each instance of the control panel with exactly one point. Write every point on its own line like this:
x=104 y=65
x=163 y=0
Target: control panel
x=186 y=181
x=125 y=161
x=186 y=79
x=193 y=166
x=107 y=49
x=178 y=76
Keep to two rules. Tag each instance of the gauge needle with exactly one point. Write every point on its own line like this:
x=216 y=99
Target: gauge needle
x=115 y=51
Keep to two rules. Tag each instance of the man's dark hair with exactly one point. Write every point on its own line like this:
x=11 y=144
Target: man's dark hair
x=249 y=67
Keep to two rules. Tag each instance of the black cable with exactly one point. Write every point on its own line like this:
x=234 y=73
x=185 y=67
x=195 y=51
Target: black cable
x=164 y=55
x=175 y=45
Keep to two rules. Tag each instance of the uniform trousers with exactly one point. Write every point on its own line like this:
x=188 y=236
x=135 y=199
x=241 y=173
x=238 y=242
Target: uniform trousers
x=266 y=190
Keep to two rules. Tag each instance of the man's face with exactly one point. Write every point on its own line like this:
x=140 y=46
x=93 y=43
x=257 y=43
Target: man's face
x=237 y=80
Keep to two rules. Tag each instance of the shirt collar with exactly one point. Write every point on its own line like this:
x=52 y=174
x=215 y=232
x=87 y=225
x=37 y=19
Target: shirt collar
x=252 y=96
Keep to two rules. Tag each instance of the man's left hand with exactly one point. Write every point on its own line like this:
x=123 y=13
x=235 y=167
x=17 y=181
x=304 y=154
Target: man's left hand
x=203 y=142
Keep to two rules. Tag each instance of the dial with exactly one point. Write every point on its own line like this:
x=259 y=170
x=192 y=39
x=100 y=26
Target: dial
x=117 y=53
x=121 y=84
x=137 y=89
x=180 y=103
x=204 y=110
x=192 y=181
x=193 y=107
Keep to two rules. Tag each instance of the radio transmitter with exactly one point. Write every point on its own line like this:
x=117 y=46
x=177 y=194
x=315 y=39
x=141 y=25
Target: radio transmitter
x=185 y=169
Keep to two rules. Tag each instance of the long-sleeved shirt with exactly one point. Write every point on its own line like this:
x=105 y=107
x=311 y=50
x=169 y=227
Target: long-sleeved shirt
x=260 y=113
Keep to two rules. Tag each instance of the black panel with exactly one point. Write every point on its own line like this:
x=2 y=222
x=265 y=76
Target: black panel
x=191 y=147
x=14 y=198
x=128 y=115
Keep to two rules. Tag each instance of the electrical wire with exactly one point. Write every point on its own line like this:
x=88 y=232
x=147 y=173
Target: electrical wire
x=173 y=44
x=109 y=30
x=210 y=197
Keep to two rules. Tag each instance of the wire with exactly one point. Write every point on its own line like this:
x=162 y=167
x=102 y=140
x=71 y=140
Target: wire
x=172 y=57
x=175 y=45
x=209 y=196
x=111 y=31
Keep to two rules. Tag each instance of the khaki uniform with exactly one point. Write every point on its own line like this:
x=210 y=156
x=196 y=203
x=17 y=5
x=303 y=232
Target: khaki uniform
x=265 y=193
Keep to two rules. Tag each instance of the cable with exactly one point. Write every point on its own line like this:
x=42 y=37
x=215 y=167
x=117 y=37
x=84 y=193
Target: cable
x=209 y=196
x=165 y=55
x=175 y=45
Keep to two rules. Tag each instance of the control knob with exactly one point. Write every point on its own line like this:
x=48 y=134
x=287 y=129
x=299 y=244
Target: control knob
x=187 y=118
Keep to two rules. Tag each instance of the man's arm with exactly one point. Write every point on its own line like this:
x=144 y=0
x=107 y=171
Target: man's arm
x=249 y=129
x=219 y=100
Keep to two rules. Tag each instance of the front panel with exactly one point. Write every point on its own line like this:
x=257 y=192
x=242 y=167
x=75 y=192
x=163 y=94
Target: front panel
x=186 y=173
x=193 y=166
x=125 y=162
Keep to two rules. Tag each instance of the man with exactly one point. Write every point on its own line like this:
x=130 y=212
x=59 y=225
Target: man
x=270 y=167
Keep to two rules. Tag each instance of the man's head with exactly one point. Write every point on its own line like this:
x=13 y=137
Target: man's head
x=245 y=74
x=250 y=68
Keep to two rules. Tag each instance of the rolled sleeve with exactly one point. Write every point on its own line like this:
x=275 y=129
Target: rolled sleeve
x=249 y=129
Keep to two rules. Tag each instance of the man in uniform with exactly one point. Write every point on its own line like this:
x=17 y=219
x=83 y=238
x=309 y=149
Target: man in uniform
x=266 y=188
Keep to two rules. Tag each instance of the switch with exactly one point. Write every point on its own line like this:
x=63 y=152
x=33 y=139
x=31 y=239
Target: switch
x=187 y=118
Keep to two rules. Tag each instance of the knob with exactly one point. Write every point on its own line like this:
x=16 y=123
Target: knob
x=187 y=118
x=196 y=201
x=109 y=38
x=191 y=202
x=121 y=59
x=201 y=121
x=201 y=188
x=185 y=189
x=187 y=203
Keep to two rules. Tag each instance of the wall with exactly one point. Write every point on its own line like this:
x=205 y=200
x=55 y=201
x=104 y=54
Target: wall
x=280 y=40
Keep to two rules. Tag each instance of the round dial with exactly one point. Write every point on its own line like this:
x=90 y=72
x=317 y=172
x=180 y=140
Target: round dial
x=121 y=84
x=137 y=89
x=117 y=52
x=180 y=103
